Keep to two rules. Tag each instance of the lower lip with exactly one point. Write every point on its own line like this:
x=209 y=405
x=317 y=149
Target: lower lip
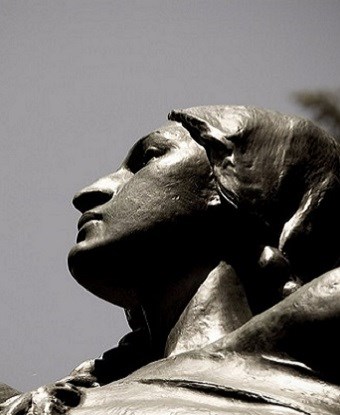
x=83 y=230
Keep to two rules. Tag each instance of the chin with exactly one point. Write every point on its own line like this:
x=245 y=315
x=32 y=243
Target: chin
x=104 y=273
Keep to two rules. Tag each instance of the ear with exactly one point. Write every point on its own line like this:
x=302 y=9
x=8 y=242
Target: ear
x=219 y=147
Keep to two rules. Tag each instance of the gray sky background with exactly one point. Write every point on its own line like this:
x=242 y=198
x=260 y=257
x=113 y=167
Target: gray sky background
x=80 y=81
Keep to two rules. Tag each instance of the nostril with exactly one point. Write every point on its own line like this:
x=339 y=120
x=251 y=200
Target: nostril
x=89 y=199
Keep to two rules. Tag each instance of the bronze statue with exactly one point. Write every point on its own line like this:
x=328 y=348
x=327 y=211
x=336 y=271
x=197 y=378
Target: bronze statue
x=218 y=236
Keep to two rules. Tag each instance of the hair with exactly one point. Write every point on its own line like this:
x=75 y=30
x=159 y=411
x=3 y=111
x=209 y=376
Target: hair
x=282 y=172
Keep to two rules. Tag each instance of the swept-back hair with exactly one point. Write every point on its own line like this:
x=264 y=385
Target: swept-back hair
x=282 y=170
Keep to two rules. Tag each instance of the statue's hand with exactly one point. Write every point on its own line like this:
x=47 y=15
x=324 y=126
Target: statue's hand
x=19 y=404
x=55 y=398
x=83 y=375
x=59 y=397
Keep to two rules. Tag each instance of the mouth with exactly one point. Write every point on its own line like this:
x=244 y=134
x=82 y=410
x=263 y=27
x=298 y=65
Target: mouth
x=87 y=217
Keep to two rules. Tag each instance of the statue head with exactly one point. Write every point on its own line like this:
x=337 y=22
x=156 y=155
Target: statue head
x=214 y=181
x=147 y=220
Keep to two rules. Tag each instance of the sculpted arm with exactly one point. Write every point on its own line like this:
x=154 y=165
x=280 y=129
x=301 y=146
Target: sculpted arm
x=302 y=328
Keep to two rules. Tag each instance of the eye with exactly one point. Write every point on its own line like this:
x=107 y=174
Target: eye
x=152 y=153
x=143 y=152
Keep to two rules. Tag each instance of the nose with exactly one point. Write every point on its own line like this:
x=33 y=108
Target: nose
x=99 y=192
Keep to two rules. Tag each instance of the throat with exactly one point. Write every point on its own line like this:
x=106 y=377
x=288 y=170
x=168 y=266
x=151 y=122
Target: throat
x=165 y=302
x=195 y=311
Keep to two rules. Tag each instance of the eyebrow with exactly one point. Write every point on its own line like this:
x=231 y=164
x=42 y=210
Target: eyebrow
x=158 y=138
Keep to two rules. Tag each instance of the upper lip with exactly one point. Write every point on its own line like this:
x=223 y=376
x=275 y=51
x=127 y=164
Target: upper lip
x=87 y=217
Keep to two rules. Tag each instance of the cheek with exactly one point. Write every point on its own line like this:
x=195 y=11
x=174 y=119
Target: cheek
x=158 y=195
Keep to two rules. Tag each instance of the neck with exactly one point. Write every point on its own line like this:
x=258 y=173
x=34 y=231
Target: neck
x=209 y=298
x=165 y=302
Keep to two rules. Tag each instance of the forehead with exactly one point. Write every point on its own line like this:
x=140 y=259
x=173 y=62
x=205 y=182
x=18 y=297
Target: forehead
x=172 y=131
x=170 y=136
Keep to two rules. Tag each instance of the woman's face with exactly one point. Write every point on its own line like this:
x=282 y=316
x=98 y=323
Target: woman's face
x=145 y=219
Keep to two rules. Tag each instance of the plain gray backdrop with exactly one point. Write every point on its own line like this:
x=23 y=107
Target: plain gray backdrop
x=80 y=82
